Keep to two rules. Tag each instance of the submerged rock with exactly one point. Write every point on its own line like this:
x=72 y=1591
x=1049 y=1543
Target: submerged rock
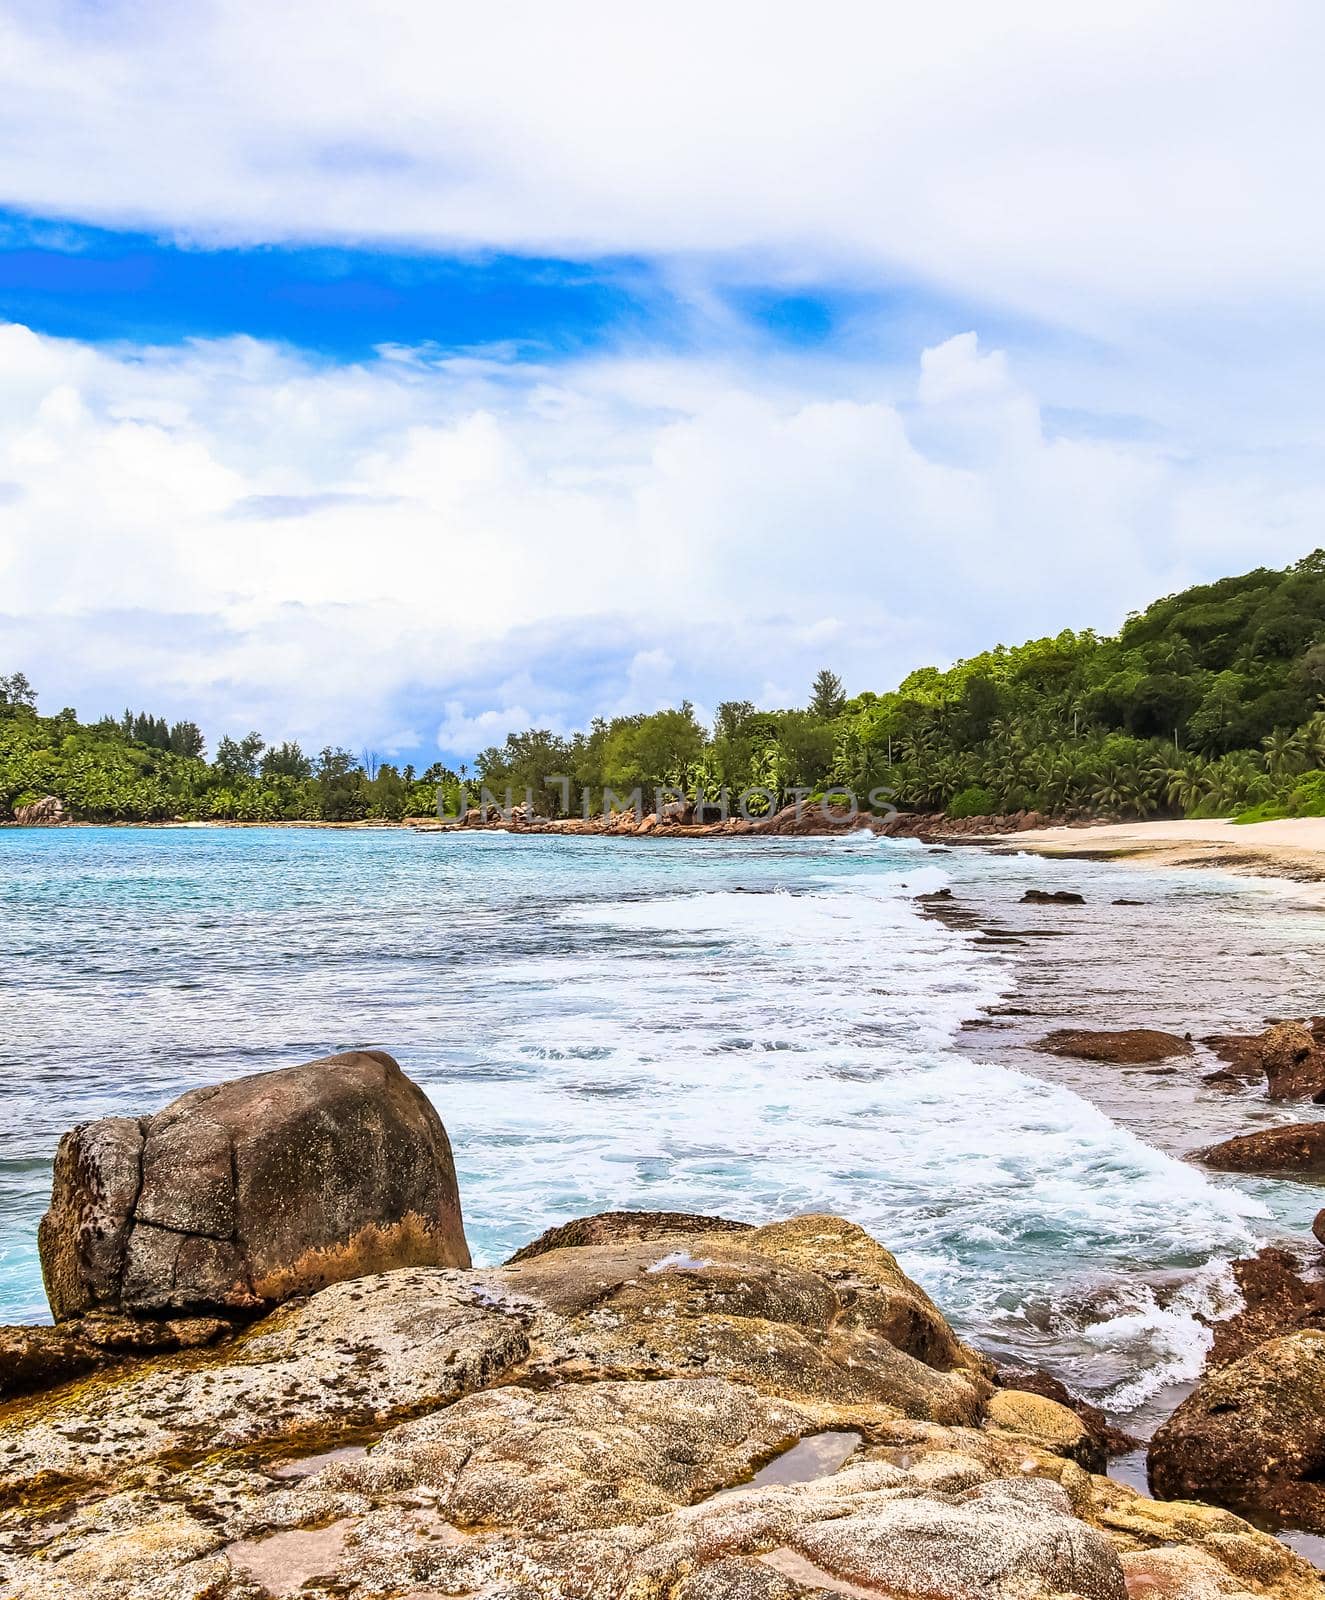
x=1251 y=1435
x=1125 y=1047
x=1053 y=897
x=238 y=1196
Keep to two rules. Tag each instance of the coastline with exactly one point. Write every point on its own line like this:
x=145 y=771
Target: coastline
x=1284 y=852
x=1169 y=953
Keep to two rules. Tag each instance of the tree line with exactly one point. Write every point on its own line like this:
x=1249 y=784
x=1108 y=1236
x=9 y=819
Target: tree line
x=1210 y=702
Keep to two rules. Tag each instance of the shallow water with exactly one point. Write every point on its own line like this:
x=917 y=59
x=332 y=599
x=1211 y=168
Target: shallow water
x=748 y=1027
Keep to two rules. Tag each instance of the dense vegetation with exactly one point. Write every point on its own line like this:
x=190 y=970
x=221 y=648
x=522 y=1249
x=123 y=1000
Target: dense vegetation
x=136 y=768
x=1208 y=703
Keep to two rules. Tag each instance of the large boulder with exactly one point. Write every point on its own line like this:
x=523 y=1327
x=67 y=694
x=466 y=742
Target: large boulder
x=238 y=1196
x=1290 y=1056
x=41 y=813
x=1251 y=1435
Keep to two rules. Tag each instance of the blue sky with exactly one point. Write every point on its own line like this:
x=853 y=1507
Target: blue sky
x=395 y=379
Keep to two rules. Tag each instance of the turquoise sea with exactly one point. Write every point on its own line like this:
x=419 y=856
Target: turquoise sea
x=748 y=1027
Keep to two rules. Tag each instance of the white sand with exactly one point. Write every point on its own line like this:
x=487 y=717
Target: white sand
x=1292 y=849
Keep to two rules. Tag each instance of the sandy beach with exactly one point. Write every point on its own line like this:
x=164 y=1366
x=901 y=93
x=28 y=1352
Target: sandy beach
x=1292 y=849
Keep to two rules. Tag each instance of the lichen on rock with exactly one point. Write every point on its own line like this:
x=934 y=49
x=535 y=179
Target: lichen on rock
x=590 y=1423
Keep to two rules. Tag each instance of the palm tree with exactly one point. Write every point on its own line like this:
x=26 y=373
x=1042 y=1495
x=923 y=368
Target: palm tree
x=1188 y=784
x=1285 y=753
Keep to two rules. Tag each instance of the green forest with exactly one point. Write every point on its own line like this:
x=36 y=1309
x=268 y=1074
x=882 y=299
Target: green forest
x=1209 y=703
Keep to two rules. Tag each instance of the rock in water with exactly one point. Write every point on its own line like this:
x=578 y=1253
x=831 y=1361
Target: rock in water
x=237 y=1196
x=1252 y=1434
x=1294 y=1064
x=1296 y=1147
x=1126 y=1047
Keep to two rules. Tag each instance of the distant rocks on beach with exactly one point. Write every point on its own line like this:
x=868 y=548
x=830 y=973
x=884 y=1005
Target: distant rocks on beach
x=41 y=813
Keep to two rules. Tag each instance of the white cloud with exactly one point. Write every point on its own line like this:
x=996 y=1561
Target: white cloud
x=1079 y=161
x=230 y=530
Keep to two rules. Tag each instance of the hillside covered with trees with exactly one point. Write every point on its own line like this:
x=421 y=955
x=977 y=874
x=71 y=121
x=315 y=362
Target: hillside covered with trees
x=136 y=768
x=1208 y=703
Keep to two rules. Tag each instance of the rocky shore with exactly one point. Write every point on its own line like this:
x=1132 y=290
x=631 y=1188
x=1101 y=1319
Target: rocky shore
x=638 y=1406
x=688 y=820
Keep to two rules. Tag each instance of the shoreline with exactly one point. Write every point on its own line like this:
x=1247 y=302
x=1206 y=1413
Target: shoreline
x=1291 y=851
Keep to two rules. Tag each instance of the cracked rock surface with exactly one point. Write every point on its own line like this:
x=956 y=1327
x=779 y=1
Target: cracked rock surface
x=629 y=1419
x=237 y=1196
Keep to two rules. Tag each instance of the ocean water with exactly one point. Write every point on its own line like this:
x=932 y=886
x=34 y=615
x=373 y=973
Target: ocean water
x=754 y=1028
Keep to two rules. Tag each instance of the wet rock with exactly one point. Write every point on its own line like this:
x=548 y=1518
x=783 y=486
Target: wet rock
x=1294 y=1065
x=581 y=1456
x=1289 y=1056
x=1251 y=1435
x=38 y=1357
x=1107 y=1440
x=614 y=1227
x=621 y=1420
x=359 y=1353
x=238 y=1196
x=1046 y=1423
x=1052 y=897
x=1278 y=1297
x=1297 y=1147
x=1121 y=1047
x=812 y=1307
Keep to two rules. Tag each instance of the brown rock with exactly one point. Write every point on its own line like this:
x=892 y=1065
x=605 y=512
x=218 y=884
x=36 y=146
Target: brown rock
x=238 y=1196
x=1047 y=1424
x=38 y=1357
x=1294 y=1065
x=1052 y=897
x=624 y=1227
x=1290 y=1056
x=1109 y=1440
x=1251 y=1435
x=1124 y=1047
x=1277 y=1298
x=1298 y=1147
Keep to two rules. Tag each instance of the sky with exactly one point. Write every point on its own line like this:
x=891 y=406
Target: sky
x=394 y=376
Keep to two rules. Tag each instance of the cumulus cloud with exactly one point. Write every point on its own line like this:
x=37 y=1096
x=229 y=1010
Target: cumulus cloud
x=337 y=552
x=1075 y=160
